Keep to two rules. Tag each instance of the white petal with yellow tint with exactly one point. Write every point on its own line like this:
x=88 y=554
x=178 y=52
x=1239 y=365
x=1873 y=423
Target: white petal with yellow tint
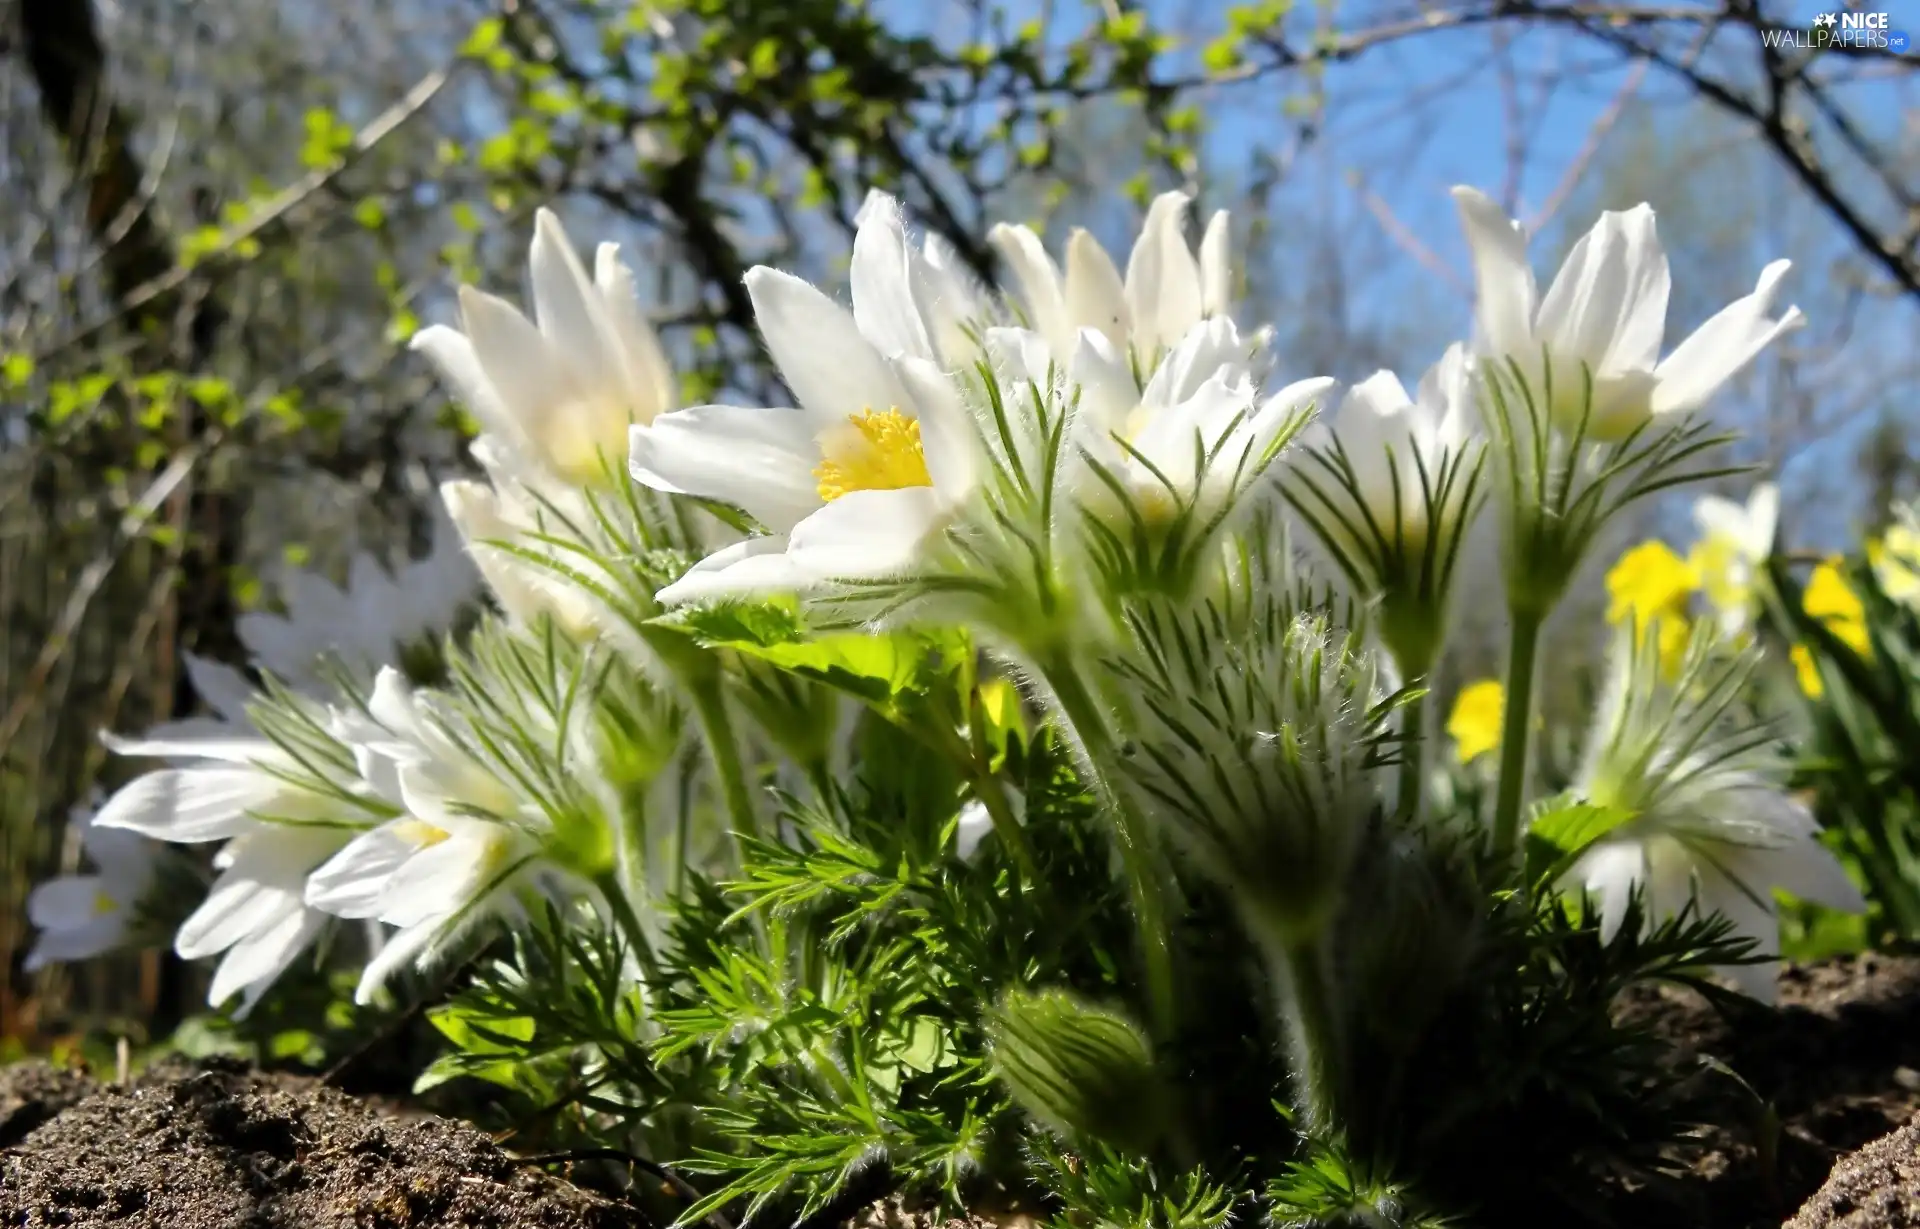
x=759 y=460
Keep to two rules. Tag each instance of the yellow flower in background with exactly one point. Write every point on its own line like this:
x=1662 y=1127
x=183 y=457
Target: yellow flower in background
x=1830 y=599
x=1673 y=633
x=1474 y=725
x=1731 y=553
x=1651 y=583
x=1648 y=581
x=1808 y=673
x=1896 y=563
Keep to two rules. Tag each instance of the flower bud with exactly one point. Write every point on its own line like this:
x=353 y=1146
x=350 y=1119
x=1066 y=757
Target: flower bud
x=1083 y=1072
x=1256 y=755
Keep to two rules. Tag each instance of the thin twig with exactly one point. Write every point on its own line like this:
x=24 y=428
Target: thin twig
x=270 y=211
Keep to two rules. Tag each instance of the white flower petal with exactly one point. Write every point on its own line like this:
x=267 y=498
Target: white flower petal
x=884 y=306
x=529 y=377
x=352 y=883
x=1096 y=297
x=866 y=534
x=950 y=301
x=1212 y=347
x=973 y=826
x=443 y=878
x=237 y=906
x=831 y=369
x=566 y=306
x=1108 y=393
x=1749 y=907
x=761 y=460
x=253 y=963
x=1501 y=271
x=1039 y=281
x=1163 y=291
x=450 y=351
x=475 y=508
x=1722 y=347
x=1608 y=305
x=1763 y=520
x=189 y=805
x=398 y=953
x=217 y=741
x=66 y=902
x=1021 y=356
x=755 y=567
x=222 y=688
x=96 y=937
x=1610 y=871
x=650 y=384
x=1809 y=871
x=947 y=440
x=1216 y=274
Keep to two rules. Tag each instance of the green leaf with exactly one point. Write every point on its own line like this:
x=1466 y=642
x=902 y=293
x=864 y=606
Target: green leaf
x=479 y=1033
x=881 y=669
x=926 y=1049
x=1563 y=828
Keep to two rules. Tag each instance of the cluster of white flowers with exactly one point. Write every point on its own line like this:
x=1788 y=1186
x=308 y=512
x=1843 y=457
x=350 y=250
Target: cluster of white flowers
x=1049 y=458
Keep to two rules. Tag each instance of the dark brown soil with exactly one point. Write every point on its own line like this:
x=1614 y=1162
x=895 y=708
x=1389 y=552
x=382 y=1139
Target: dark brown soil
x=1837 y=1068
x=212 y=1145
x=1877 y=1187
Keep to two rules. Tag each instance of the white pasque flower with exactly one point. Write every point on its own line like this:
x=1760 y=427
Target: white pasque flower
x=1167 y=289
x=1706 y=817
x=1389 y=484
x=1195 y=438
x=366 y=625
x=560 y=393
x=503 y=523
x=1736 y=540
x=466 y=843
x=278 y=821
x=853 y=483
x=1605 y=316
x=98 y=911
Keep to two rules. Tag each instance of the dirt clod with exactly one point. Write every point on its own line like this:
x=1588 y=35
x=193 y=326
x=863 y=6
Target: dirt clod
x=213 y=1145
x=1831 y=1071
x=1877 y=1187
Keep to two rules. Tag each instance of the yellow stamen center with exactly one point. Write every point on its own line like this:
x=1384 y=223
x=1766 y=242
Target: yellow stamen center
x=104 y=904
x=878 y=450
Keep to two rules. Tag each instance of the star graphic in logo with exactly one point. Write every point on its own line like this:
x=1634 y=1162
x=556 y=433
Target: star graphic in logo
x=1826 y=19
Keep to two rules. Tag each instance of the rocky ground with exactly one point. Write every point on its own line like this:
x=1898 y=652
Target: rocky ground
x=1824 y=1095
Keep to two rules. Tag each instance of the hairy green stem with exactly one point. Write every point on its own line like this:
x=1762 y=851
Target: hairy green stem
x=1516 y=732
x=1006 y=825
x=1314 y=1022
x=1413 y=758
x=1146 y=880
x=614 y=889
x=723 y=745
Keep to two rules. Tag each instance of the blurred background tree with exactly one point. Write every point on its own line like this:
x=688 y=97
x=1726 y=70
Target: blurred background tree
x=223 y=223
